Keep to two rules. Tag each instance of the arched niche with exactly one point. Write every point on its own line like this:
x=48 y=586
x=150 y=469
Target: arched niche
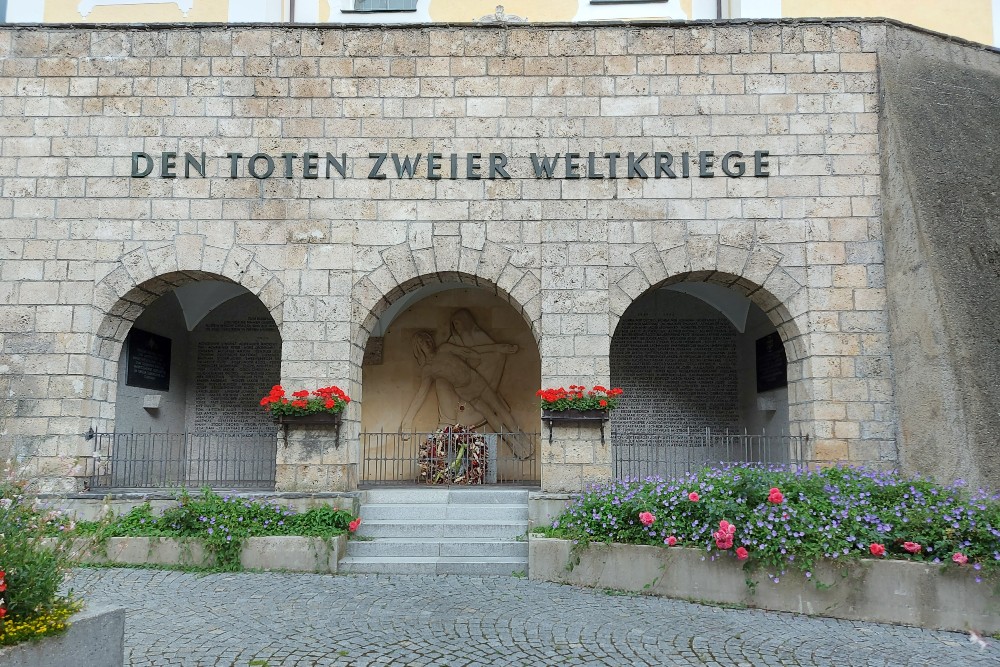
x=699 y=362
x=196 y=360
x=435 y=324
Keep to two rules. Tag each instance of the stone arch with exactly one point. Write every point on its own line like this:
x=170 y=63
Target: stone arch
x=145 y=274
x=405 y=269
x=753 y=272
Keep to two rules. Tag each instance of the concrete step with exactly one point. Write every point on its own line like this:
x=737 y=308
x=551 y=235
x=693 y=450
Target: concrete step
x=501 y=530
x=459 y=496
x=500 y=567
x=431 y=547
x=443 y=511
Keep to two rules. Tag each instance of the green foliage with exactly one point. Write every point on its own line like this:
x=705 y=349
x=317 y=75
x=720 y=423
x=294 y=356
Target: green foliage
x=32 y=567
x=222 y=523
x=831 y=514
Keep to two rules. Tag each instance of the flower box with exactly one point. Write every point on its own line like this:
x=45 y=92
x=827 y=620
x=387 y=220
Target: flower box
x=95 y=637
x=316 y=418
x=575 y=415
x=884 y=591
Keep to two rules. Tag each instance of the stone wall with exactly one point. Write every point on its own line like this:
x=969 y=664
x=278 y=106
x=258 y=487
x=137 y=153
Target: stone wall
x=940 y=174
x=86 y=247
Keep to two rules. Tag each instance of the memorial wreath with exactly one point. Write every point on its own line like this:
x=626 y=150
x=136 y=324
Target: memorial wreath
x=453 y=455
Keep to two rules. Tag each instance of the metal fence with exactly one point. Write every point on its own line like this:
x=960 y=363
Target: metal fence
x=448 y=458
x=676 y=453
x=182 y=460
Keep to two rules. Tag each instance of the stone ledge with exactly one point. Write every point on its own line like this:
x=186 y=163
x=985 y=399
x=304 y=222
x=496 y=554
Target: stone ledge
x=293 y=554
x=920 y=594
x=95 y=638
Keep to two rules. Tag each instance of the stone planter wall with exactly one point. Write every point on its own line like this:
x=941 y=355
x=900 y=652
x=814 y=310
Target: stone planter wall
x=94 y=638
x=295 y=554
x=920 y=594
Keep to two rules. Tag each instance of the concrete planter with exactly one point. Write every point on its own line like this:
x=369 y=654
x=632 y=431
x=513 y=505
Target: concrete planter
x=920 y=594
x=294 y=554
x=95 y=638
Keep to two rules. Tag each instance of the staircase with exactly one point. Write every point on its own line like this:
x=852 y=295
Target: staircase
x=473 y=531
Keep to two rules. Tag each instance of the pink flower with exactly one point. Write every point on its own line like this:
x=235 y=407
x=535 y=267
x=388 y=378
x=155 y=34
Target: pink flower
x=774 y=496
x=693 y=497
x=670 y=541
x=353 y=526
x=960 y=558
x=877 y=549
x=912 y=547
x=646 y=518
x=724 y=535
x=742 y=553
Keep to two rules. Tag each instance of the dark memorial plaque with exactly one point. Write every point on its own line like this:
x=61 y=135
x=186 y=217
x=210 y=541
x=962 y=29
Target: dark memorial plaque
x=148 y=364
x=772 y=366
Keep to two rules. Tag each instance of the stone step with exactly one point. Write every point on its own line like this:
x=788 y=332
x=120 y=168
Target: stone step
x=503 y=530
x=431 y=547
x=458 y=496
x=443 y=511
x=495 y=566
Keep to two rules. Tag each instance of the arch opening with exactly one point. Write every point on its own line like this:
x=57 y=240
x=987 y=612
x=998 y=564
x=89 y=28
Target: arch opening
x=451 y=357
x=195 y=358
x=705 y=375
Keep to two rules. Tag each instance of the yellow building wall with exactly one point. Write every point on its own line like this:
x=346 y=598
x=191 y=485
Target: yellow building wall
x=533 y=10
x=202 y=11
x=970 y=19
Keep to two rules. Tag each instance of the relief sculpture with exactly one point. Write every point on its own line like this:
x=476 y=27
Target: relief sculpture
x=465 y=372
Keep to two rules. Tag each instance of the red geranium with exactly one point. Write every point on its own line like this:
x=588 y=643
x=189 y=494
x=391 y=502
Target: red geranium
x=877 y=549
x=742 y=553
x=578 y=397
x=325 y=399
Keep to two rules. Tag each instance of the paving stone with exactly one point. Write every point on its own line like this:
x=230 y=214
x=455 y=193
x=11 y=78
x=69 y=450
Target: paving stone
x=189 y=619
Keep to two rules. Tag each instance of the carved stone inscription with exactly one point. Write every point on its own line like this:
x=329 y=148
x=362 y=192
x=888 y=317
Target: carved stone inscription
x=228 y=385
x=148 y=361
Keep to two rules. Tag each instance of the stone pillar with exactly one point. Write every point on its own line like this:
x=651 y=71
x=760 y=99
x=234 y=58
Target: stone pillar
x=576 y=457
x=311 y=459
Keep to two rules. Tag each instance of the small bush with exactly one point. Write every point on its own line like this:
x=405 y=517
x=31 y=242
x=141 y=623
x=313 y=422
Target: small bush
x=31 y=567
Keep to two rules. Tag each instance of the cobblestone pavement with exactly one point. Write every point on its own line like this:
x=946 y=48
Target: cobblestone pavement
x=258 y=620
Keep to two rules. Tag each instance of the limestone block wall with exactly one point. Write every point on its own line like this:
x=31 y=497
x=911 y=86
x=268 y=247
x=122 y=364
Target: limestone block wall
x=86 y=246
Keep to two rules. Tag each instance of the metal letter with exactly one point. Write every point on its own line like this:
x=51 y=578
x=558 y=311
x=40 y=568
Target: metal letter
x=433 y=166
x=544 y=166
x=572 y=168
x=705 y=164
x=310 y=165
x=592 y=166
x=252 y=165
x=191 y=161
x=379 y=159
x=498 y=164
x=234 y=161
x=340 y=166
x=405 y=167
x=760 y=164
x=167 y=163
x=288 y=163
x=472 y=166
x=136 y=173
x=727 y=168
x=663 y=162
x=634 y=170
x=612 y=164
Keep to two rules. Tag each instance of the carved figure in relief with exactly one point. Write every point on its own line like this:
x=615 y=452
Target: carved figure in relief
x=453 y=364
x=465 y=332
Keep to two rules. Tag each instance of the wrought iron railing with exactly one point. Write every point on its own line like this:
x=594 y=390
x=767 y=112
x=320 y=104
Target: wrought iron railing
x=449 y=458
x=182 y=460
x=676 y=453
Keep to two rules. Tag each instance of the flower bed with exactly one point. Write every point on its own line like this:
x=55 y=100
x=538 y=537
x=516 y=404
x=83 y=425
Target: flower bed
x=220 y=524
x=776 y=523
